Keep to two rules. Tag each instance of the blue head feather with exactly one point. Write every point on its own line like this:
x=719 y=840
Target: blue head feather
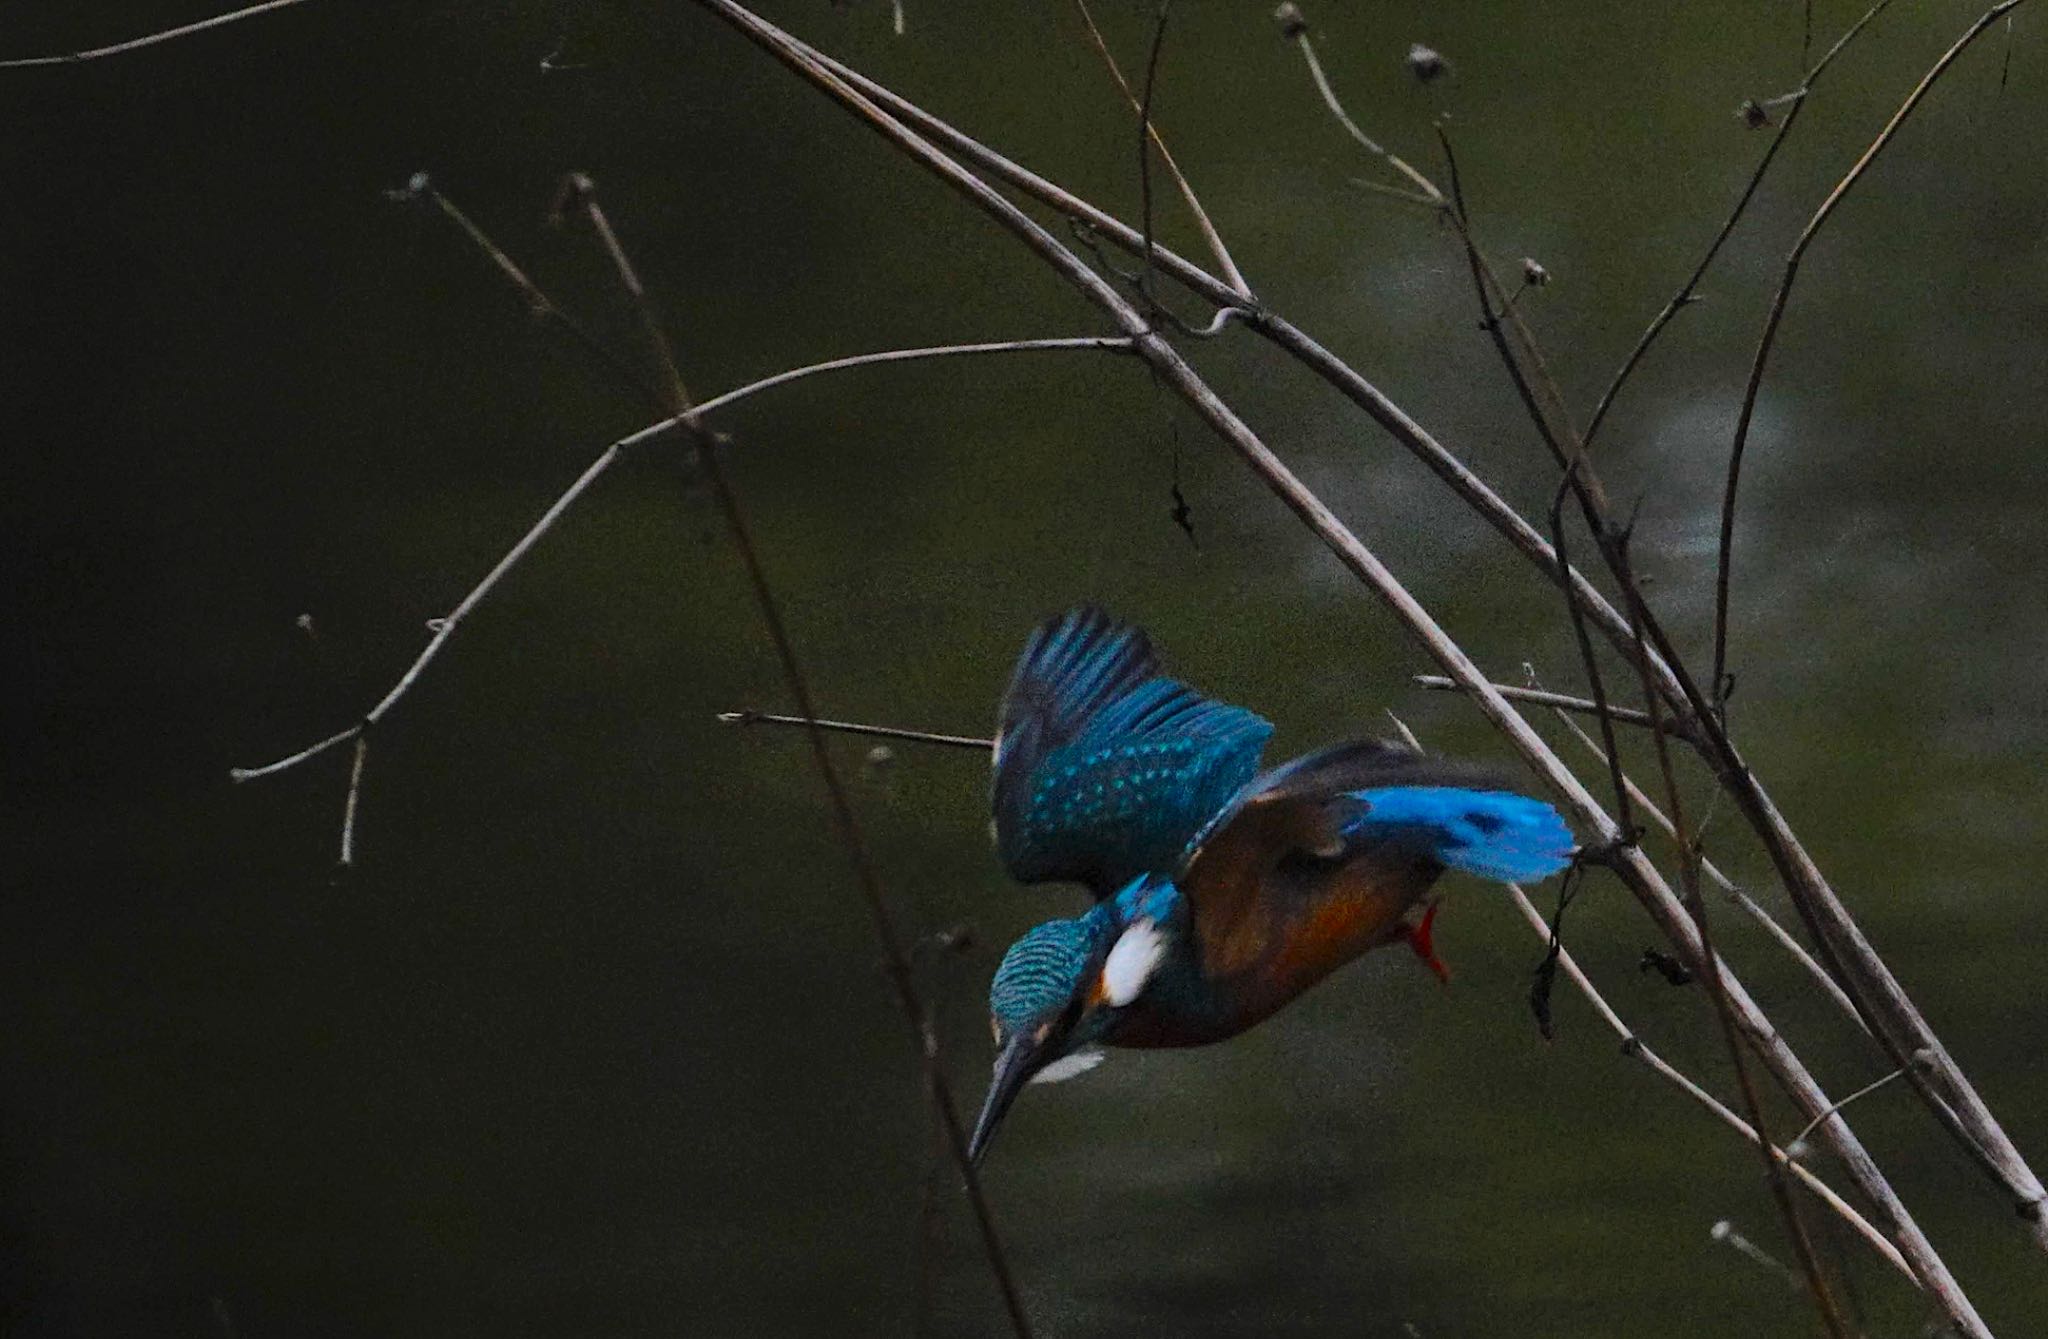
x=1042 y=973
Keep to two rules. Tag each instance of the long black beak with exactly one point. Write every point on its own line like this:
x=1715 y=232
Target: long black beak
x=1015 y=1064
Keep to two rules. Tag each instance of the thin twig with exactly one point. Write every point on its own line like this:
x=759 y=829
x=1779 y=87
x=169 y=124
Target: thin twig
x=1777 y=314
x=1749 y=905
x=1210 y=235
x=1543 y=697
x=446 y=627
x=1717 y=986
x=1684 y=297
x=1724 y=1232
x=897 y=962
x=1603 y=709
x=1145 y=138
x=748 y=716
x=1867 y=1088
x=537 y=302
x=348 y=809
x=1297 y=32
x=1634 y=1046
x=149 y=39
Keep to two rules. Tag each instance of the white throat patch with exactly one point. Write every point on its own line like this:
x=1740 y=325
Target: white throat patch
x=1067 y=1066
x=1136 y=955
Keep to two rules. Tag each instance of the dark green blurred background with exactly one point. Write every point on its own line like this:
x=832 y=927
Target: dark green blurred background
x=592 y=1041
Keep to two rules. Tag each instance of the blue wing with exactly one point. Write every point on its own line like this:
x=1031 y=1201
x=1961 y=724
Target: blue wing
x=1103 y=769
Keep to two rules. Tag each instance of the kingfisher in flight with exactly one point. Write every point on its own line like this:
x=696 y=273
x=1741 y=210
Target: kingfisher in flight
x=1221 y=891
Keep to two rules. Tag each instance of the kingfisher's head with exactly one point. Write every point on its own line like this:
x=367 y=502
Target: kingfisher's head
x=1058 y=991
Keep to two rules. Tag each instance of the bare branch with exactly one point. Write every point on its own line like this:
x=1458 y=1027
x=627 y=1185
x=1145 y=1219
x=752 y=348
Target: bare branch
x=1543 y=697
x=748 y=716
x=149 y=39
x=1295 y=29
x=446 y=627
x=1686 y=291
x=355 y=792
x=1213 y=238
x=1777 y=314
x=896 y=960
x=1634 y=1046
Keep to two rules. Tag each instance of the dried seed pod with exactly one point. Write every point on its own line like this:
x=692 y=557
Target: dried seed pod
x=1425 y=63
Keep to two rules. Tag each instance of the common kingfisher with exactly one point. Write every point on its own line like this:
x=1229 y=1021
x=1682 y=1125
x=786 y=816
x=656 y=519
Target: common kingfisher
x=1222 y=892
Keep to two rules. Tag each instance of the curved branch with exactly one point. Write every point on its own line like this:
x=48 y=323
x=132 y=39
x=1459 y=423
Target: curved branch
x=1777 y=314
x=445 y=628
x=148 y=39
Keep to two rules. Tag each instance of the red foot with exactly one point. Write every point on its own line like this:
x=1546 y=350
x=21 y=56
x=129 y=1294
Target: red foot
x=1419 y=939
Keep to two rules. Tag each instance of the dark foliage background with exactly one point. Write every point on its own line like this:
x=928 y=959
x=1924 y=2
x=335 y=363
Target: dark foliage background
x=592 y=1040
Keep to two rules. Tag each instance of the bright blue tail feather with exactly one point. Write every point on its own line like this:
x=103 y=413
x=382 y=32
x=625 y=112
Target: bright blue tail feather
x=1492 y=833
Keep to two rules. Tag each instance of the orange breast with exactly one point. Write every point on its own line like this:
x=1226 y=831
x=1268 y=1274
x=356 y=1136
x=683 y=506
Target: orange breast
x=1300 y=934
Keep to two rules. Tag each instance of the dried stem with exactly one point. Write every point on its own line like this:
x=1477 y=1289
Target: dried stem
x=1543 y=697
x=1173 y=372
x=149 y=39
x=1717 y=987
x=1749 y=905
x=355 y=793
x=1777 y=314
x=1210 y=236
x=897 y=963
x=1634 y=1046
x=1298 y=34
x=748 y=716
x=1685 y=294
x=537 y=302
x=1864 y=1091
x=446 y=627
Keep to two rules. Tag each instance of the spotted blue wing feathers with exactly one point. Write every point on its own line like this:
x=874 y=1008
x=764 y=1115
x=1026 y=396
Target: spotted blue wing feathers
x=1104 y=770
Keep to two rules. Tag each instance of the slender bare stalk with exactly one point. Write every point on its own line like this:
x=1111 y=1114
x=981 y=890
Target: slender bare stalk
x=1880 y=996
x=1749 y=905
x=748 y=716
x=149 y=39
x=896 y=961
x=1173 y=372
x=1685 y=295
x=537 y=302
x=1717 y=986
x=446 y=627
x=1943 y=1087
x=1634 y=1046
x=355 y=793
x=1207 y=227
x=1294 y=27
x=1777 y=314
x=1864 y=1091
x=1543 y=697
